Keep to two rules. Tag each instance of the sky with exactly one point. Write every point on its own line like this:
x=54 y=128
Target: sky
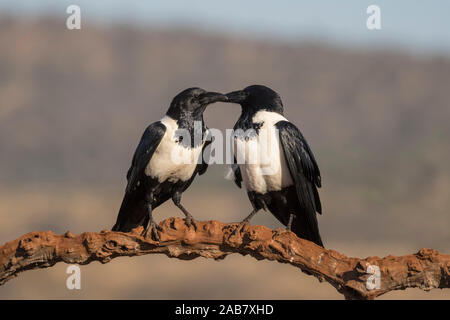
x=411 y=24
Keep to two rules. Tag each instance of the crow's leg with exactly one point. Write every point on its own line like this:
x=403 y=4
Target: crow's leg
x=289 y=224
x=250 y=216
x=151 y=225
x=245 y=221
x=176 y=198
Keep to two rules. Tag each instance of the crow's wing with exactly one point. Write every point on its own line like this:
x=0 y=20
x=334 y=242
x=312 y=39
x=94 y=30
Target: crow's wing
x=205 y=155
x=132 y=212
x=149 y=142
x=306 y=176
x=302 y=166
x=236 y=173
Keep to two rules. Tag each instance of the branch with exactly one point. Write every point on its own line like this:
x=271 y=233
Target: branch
x=426 y=269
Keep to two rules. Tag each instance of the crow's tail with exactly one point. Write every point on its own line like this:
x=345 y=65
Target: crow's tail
x=305 y=226
x=131 y=215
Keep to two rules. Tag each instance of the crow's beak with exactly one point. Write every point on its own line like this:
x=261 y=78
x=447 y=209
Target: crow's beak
x=236 y=96
x=211 y=97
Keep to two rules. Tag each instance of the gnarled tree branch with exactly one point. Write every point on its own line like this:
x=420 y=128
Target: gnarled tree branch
x=355 y=278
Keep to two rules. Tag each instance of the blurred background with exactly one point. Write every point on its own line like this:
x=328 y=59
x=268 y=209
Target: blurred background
x=373 y=104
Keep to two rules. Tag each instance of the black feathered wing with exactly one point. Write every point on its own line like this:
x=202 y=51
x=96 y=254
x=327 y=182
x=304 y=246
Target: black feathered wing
x=205 y=155
x=235 y=173
x=133 y=209
x=306 y=177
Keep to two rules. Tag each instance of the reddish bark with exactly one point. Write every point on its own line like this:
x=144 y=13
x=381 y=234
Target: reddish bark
x=426 y=269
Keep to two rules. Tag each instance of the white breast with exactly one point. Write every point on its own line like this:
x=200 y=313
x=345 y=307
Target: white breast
x=171 y=161
x=261 y=158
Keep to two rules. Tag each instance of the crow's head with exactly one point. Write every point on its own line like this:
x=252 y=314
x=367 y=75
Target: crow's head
x=193 y=101
x=255 y=98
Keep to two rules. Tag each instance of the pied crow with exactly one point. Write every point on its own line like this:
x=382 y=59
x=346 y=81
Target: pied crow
x=275 y=163
x=166 y=161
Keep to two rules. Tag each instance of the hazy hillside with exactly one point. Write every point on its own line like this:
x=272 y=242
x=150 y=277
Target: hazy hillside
x=73 y=105
x=76 y=101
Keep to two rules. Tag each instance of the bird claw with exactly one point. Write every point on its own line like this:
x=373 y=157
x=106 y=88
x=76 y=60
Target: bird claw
x=240 y=226
x=277 y=232
x=153 y=228
x=190 y=222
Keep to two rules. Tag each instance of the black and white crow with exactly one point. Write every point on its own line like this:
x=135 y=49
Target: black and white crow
x=275 y=163
x=166 y=161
